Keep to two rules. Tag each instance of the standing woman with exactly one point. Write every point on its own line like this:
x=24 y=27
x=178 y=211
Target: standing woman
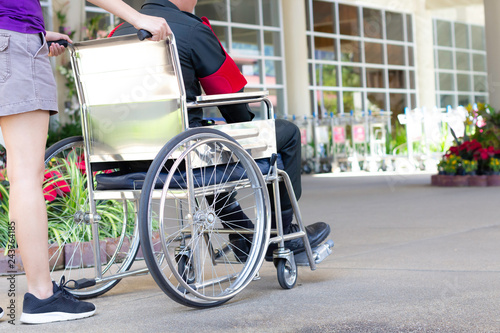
x=27 y=99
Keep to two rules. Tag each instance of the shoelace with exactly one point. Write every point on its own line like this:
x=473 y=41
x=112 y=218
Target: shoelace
x=63 y=287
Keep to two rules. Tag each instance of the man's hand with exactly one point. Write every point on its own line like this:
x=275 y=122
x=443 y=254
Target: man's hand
x=56 y=49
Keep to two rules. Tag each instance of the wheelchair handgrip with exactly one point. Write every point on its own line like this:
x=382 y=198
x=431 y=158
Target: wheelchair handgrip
x=61 y=42
x=143 y=34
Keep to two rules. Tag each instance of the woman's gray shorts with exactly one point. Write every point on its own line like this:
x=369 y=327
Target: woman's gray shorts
x=26 y=79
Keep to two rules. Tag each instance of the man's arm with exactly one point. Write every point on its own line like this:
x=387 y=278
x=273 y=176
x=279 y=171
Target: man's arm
x=156 y=25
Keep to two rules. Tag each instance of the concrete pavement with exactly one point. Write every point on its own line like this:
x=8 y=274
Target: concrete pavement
x=408 y=257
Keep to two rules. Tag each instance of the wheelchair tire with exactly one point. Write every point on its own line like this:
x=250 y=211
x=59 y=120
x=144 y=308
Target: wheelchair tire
x=174 y=217
x=287 y=274
x=67 y=197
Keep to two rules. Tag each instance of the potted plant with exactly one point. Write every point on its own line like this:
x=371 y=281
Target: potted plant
x=493 y=178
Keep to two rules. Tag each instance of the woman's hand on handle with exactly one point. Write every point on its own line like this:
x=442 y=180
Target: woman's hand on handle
x=56 y=49
x=156 y=25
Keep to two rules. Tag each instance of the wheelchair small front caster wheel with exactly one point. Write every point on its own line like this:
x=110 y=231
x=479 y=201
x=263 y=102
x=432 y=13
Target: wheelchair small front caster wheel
x=287 y=274
x=185 y=269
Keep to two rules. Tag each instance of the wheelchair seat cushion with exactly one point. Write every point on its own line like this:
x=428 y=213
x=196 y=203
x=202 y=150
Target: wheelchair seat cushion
x=210 y=176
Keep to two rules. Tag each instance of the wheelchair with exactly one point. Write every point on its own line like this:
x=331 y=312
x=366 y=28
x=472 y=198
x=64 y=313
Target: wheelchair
x=140 y=183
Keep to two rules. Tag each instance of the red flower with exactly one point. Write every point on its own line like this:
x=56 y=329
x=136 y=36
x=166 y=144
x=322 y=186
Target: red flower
x=454 y=150
x=55 y=186
x=80 y=163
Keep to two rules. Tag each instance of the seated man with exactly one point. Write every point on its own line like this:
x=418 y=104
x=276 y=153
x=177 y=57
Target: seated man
x=204 y=61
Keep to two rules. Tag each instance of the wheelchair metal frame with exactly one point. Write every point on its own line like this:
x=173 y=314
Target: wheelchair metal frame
x=101 y=112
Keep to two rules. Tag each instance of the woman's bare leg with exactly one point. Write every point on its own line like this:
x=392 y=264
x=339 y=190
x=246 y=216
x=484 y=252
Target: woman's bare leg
x=25 y=136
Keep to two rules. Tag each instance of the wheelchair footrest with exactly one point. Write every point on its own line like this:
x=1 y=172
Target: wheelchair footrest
x=319 y=253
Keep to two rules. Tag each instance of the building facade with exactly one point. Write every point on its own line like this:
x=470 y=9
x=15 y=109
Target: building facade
x=334 y=56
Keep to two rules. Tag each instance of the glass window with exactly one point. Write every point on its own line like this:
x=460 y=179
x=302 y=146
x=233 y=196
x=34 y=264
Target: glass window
x=464 y=100
x=463 y=61
x=397 y=103
x=445 y=59
x=272 y=43
x=324 y=16
x=221 y=33
x=396 y=79
x=446 y=82
x=375 y=101
x=273 y=72
x=213 y=9
x=394 y=26
x=350 y=50
x=251 y=69
x=312 y=73
x=245 y=11
x=277 y=97
x=374 y=53
x=271 y=13
x=326 y=75
x=351 y=76
x=409 y=28
x=411 y=60
x=446 y=100
x=477 y=38
x=375 y=78
x=327 y=101
x=413 y=98
x=443 y=33
x=461 y=36
x=366 y=72
x=395 y=55
x=348 y=20
x=325 y=48
x=463 y=82
x=480 y=99
x=480 y=83
x=97 y=25
x=412 y=79
x=479 y=62
x=352 y=101
x=245 y=42
x=372 y=23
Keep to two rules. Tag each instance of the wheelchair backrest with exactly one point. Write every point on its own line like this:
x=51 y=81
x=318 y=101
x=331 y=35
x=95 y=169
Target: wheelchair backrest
x=131 y=96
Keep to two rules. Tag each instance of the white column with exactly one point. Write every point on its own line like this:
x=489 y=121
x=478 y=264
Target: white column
x=492 y=29
x=297 y=75
x=426 y=75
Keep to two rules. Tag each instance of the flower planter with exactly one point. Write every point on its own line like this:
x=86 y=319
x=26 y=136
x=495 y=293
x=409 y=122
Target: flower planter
x=56 y=258
x=111 y=246
x=493 y=180
x=82 y=255
x=446 y=181
x=436 y=180
x=156 y=245
x=479 y=181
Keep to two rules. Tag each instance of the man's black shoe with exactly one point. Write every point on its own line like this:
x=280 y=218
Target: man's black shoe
x=241 y=245
x=316 y=233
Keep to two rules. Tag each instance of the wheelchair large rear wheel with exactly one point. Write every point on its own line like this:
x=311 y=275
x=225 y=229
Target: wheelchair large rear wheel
x=71 y=241
x=196 y=253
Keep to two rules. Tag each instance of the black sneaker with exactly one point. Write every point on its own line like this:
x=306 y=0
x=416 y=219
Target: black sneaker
x=59 y=307
x=316 y=233
x=1 y=312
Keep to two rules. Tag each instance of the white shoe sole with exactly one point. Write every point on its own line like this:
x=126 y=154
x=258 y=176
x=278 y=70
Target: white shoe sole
x=42 y=318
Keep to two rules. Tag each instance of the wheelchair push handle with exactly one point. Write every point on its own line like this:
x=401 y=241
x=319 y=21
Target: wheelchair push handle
x=62 y=42
x=144 y=34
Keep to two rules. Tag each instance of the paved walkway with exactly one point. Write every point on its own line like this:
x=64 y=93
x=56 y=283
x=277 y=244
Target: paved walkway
x=408 y=258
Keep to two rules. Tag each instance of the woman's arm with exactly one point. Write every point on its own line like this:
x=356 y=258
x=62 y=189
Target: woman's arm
x=155 y=25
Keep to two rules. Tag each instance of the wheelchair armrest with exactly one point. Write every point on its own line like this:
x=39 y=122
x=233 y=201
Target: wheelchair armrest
x=236 y=98
x=228 y=97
